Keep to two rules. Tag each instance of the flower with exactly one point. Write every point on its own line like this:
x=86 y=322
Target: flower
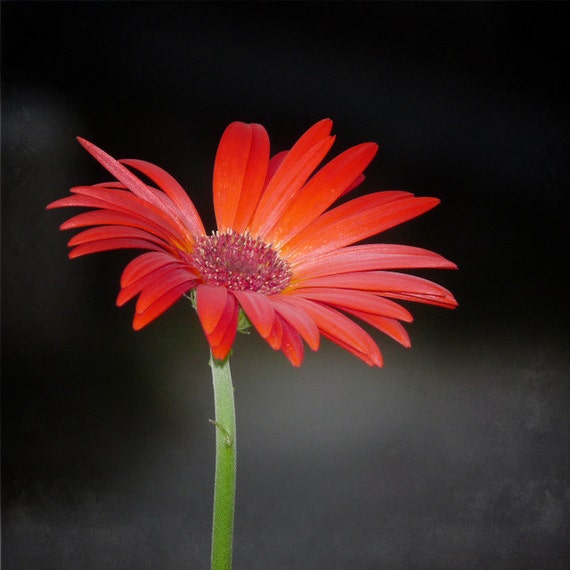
x=281 y=255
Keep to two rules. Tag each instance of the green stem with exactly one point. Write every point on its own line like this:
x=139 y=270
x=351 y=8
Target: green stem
x=225 y=480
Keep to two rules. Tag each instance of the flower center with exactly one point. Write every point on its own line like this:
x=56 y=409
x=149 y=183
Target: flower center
x=240 y=262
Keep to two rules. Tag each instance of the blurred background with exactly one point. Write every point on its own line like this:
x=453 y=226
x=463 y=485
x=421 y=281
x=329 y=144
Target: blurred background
x=454 y=455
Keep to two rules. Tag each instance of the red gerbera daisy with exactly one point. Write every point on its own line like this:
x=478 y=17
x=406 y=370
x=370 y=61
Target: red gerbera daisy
x=280 y=254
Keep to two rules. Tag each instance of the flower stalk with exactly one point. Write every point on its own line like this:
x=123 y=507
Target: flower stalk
x=225 y=477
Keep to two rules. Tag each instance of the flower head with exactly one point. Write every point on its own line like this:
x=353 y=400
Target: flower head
x=281 y=253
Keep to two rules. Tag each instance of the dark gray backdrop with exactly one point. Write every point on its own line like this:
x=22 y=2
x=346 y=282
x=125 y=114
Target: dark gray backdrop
x=454 y=455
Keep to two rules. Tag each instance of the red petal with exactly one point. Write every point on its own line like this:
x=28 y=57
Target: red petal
x=171 y=278
x=386 y=282
x=145 y=281
x=328 y=184
x=258 y=310
x=343 y=331
x=239 y=173
x=300 y=162
x=358 y=300
x=275 y=338
x=370 y=359
x=109 y=217
x=391 y=327
x=124 y=175
x=157 y=308
x=114 y=232
x=447 y=302
x=144 y=264
x=274 y=164
x=298 y=319
x=172 y=188
x=210 y=303
x=367 y=257
x=110 y=244
x=355 y=183
x=222 y=338
x=254 y=179
x=291 y=344
x=356 y=220
x=124 y=201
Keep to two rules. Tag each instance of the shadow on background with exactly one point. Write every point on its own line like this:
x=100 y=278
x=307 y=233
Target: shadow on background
x=454 y=455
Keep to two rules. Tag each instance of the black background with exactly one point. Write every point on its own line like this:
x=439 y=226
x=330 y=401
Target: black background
x=454 y=455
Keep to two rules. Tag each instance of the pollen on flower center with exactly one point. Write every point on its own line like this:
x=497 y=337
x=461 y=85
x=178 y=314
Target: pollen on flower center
x=240 y=262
